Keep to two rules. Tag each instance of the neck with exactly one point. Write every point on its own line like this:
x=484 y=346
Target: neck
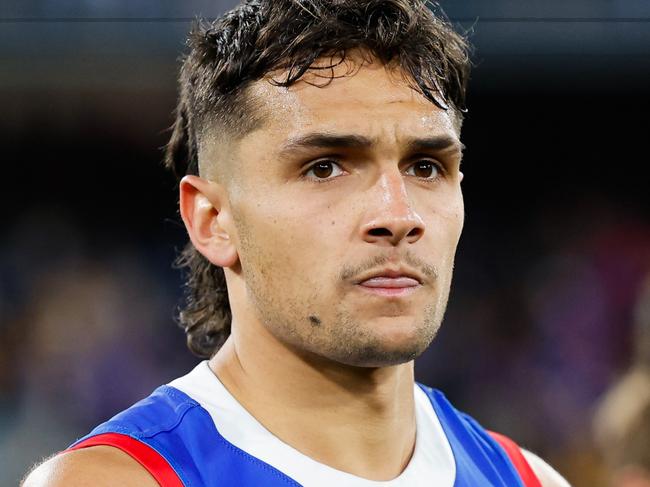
x=358 y=420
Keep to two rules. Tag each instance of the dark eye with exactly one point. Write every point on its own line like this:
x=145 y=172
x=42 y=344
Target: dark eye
x=324 y=170
x=424 y=169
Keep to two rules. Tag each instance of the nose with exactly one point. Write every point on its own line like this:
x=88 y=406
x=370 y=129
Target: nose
x=391 y=218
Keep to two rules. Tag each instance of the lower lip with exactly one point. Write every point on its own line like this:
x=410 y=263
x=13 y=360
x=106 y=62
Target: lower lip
x=389 y=291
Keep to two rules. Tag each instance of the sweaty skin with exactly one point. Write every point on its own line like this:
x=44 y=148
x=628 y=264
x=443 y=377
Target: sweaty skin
x=336 y=223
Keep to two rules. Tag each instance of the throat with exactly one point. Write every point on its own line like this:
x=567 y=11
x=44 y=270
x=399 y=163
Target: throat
x=366 y=428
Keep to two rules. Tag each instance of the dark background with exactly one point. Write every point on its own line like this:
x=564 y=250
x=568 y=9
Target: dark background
x=556 y=242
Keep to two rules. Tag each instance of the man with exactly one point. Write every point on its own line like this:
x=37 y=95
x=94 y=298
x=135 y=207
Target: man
x=318 y=145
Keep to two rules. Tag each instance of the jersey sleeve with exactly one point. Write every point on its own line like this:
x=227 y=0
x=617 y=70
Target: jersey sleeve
x=518 y=460
x=145 y=455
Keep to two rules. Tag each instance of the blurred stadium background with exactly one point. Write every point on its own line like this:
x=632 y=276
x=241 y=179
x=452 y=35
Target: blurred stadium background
x=556 y=243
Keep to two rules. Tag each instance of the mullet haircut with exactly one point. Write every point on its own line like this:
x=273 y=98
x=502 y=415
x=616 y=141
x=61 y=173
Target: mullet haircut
x=287 y=36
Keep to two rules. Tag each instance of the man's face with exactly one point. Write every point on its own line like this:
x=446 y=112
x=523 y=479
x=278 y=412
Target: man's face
x=348 y=211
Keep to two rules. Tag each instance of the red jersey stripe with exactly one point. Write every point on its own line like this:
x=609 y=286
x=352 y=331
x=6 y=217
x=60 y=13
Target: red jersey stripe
x=149 y=458
x=517 y=458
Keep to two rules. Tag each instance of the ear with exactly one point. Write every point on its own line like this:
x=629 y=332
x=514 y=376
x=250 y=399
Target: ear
x=207 y=218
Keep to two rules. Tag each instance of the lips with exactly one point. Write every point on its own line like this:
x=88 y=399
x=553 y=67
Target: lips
x=389 y=282
x=392 y=282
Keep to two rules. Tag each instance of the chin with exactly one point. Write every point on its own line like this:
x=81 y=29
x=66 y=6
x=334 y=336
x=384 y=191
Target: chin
x=373 y=357
x=394 y=346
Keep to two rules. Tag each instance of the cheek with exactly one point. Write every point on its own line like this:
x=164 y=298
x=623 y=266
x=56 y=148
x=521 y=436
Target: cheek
x=280 y=245
x=446 y=217
x=458 y=216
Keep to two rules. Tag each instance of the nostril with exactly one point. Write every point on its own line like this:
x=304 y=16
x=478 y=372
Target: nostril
x=380 y=232
x=415 y=232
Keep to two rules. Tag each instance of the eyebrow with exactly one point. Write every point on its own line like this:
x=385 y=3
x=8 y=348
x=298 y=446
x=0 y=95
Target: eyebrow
x=324 y=140
x=435 y=144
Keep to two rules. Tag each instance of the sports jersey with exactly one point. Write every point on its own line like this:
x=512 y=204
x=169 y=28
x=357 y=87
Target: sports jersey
x=192 y=432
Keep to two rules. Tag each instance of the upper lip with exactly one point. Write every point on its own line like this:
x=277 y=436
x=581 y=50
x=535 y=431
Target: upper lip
x=391 y=272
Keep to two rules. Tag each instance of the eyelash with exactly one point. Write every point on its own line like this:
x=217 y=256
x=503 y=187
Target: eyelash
x=437 y=165
x=320 y=180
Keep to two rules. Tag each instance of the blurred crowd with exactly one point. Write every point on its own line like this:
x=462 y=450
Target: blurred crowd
x=84 y=333
x=534 y=336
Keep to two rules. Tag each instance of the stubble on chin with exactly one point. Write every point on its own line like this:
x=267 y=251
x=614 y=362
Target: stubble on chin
x=366 y=345
x=347 y=340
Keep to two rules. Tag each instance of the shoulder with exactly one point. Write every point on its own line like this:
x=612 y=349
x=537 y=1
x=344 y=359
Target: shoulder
x=546 y=474
x=531 y=469
x=109 y=449
x=99 y=466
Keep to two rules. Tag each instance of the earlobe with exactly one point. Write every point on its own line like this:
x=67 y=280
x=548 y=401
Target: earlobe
x=206 y=215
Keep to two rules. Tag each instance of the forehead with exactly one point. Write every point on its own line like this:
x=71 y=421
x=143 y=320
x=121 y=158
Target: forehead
x=352 y=98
